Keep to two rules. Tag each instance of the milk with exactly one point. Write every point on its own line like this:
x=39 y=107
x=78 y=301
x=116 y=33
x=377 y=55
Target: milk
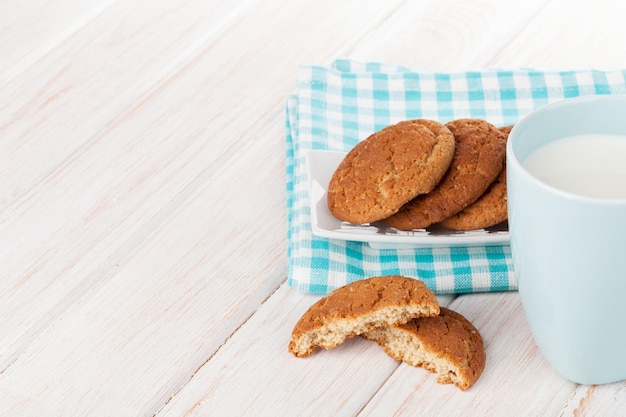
x=592 y=165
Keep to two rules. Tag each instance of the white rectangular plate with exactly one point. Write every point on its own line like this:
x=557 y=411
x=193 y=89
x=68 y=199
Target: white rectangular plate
x=322 y=164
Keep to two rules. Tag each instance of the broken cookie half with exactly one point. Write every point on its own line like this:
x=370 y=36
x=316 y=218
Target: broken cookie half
x=360 y=307
x=448 y=345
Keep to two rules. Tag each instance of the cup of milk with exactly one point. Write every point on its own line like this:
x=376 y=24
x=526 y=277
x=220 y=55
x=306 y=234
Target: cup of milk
x=566 y=185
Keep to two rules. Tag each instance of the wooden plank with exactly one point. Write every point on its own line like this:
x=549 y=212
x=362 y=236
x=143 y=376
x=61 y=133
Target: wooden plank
x=447 y=36
x=32 y=28
x=462 y=35
x=141 y=328
x=59 y=239
x=585 y=35
x=597 y=400
x=336 y=382
x=92 y=77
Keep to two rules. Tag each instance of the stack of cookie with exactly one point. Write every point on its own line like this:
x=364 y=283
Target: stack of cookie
x=402 y=315
x=417 y=173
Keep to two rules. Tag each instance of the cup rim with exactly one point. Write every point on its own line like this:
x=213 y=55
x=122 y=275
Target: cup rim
x=512 y=158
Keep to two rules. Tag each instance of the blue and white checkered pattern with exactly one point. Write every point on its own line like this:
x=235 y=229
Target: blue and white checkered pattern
x=336 y=107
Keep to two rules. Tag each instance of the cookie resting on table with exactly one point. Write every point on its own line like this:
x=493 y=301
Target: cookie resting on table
x=448 y=345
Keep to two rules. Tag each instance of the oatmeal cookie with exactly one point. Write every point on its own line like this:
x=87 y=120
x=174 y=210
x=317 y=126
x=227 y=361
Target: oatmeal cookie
x=478 y=159
x=359 y=307
x=389 y=168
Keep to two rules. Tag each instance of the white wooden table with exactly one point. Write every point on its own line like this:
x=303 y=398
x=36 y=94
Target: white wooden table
x=142 y=205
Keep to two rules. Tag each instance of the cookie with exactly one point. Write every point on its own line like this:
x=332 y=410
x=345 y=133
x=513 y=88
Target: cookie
x=478 y=160
x=389 y=168
x=490 y=208
x=506 y=130
x=359 y=307
x=448 y=345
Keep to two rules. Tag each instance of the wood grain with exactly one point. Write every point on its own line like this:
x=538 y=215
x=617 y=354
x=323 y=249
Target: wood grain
x=94 y=77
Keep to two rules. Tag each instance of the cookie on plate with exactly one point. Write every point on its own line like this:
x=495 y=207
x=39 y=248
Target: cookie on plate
x=448 y=345
x=389 y=168
x=478 y=160
x=490 y=208
x=359 y=307
x=506 y=130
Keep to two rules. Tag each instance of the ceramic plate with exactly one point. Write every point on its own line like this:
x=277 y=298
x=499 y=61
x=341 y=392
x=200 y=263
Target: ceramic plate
x=322 y=164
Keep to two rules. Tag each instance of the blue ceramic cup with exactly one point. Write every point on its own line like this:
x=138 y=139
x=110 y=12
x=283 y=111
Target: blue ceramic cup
x=569 y=249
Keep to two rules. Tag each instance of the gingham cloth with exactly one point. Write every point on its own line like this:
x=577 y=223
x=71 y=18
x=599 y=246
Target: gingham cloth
x=333 y=108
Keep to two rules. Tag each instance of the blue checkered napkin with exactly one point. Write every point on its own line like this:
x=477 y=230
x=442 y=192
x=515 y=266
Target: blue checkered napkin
x=335 y=107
